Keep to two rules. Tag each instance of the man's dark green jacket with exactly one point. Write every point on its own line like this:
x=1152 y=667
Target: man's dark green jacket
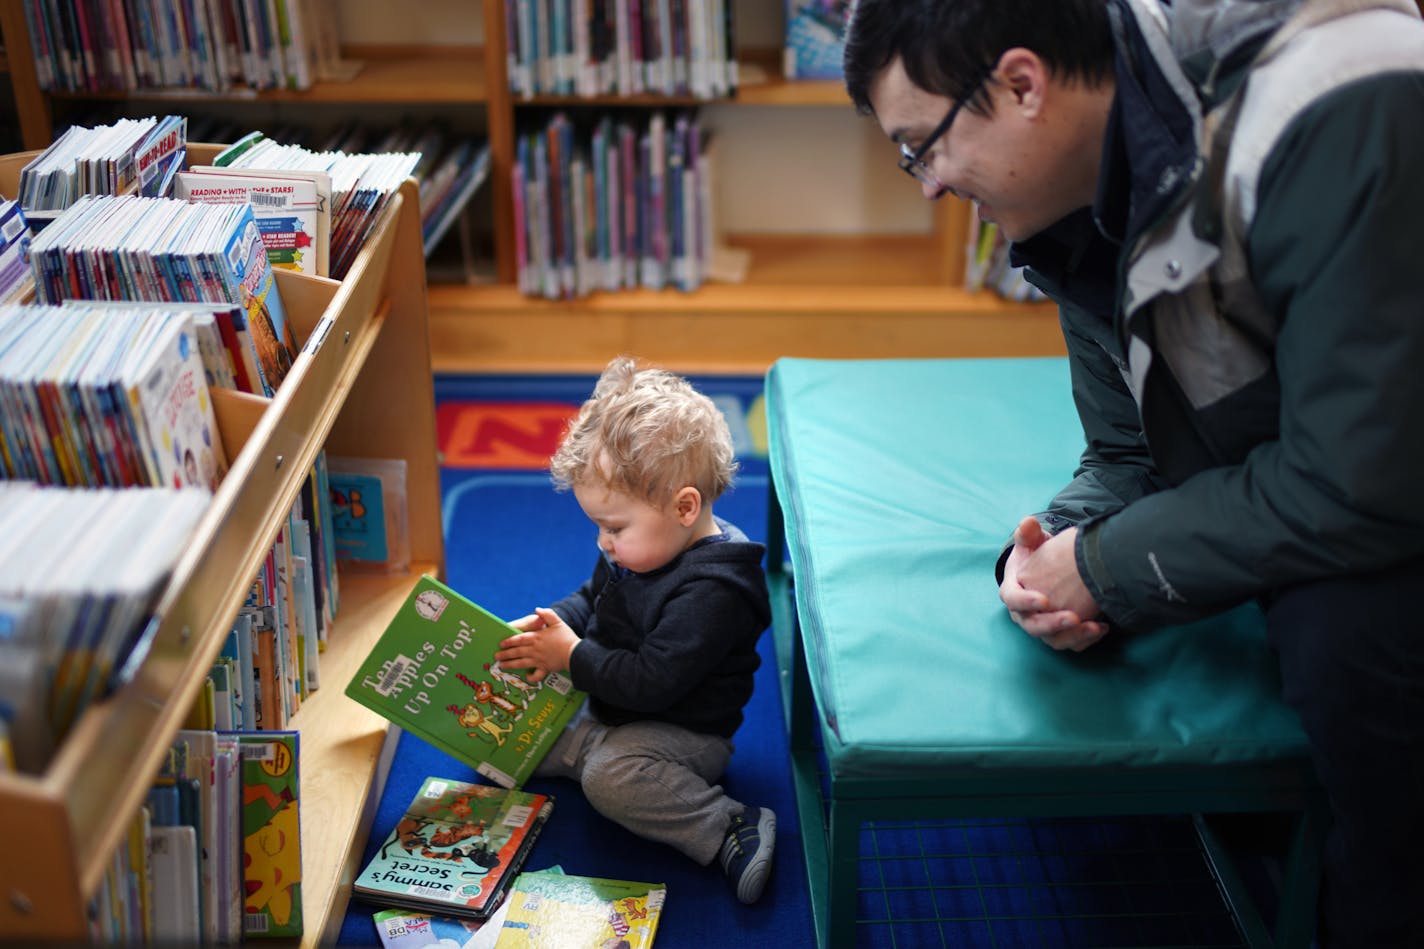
x=1246 y=325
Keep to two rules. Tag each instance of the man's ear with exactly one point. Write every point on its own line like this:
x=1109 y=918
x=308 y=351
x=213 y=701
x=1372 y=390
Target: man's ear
x=1025 y=76
x=688 y=505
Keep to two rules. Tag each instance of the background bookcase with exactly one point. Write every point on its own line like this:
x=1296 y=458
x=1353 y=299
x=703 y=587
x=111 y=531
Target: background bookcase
x=360 y=386
x=846 y=257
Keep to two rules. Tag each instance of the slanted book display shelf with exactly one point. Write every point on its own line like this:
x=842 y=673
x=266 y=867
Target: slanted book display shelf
x=360 y=386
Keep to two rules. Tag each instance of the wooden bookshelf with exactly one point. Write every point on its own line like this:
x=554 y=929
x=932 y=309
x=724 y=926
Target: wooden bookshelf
x=356 y=388
x=729 y=329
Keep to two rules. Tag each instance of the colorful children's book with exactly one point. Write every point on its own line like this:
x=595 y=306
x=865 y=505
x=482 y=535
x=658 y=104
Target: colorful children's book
x=433 y=673
x=272 y=842
x=293 y=210
x=400 y=928
x=165 y=385
x=555 y=909
x=368 y=499
x=457 y=848
x=247 y=275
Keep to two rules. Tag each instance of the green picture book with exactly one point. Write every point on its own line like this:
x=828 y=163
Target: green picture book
x=433 y=673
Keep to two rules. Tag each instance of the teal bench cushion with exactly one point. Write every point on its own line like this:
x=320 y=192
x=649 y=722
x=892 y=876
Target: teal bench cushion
x=900 y=481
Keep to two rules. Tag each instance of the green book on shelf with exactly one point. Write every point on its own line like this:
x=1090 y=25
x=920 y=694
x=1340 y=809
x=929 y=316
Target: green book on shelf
x=433 y=673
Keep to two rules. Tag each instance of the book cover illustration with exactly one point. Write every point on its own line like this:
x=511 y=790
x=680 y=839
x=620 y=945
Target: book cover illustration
x=408 y=929
x=433 y=673
x=286 y=209
x=271 y=834
x=368 y=501
x=456 y=849
x=549 y=910
x=245 y=256
x=169 y=389
x=815 y=38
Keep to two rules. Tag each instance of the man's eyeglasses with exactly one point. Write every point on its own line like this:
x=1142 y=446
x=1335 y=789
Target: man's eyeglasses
x=912 y=160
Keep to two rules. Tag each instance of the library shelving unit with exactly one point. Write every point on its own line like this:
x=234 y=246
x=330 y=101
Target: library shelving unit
x=360 y=386
x=807 y=294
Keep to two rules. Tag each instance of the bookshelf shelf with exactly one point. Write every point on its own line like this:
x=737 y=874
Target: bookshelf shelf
x=763 y=82
x=728 y=328
x=355 y=388
x=440 y=75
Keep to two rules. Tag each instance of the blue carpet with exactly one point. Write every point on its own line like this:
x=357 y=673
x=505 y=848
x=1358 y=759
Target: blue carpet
x=513 y=543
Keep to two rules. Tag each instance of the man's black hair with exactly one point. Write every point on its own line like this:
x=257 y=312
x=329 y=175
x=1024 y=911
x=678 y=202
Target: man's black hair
x=948 y=46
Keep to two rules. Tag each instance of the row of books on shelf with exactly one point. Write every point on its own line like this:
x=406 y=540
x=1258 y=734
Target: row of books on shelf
x=127 y=45
x=130 y=156
x=313 y=210
x=314 y=206
x=111 y=394
x=214 y=853
x=619 y=206
x=160 y=249
x=592 y=48
x=360 y=186
x=84 y=571
x=80 y=572
x=449 y=172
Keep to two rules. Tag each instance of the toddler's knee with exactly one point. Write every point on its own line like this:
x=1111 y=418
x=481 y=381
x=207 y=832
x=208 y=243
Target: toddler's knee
x=611 y=786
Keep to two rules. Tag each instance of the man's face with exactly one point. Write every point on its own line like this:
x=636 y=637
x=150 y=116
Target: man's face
x=1004 y=162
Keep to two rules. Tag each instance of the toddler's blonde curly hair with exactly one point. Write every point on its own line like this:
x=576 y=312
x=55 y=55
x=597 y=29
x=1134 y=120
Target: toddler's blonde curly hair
x=646 y=433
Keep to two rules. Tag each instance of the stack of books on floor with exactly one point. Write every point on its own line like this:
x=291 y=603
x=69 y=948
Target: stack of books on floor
x=452 y=867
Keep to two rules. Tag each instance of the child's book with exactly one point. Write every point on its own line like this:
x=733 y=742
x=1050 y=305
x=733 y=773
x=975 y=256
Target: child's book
x=173 y=856
x=433 y=673
x=815 y=38
x=456 y=849
x=293 y=209
x=272 y=842
x=554 y=909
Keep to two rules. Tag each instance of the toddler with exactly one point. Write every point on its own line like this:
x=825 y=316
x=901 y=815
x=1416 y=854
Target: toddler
x=663 y=636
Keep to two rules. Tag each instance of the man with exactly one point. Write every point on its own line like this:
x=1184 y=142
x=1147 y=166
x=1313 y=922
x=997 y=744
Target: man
x=1220 y=196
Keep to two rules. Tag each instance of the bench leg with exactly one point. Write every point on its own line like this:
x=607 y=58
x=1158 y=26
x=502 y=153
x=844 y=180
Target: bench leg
x=841 y=887
x=1295 y=923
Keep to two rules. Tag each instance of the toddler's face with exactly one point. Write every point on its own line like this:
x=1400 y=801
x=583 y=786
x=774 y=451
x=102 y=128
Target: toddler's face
x=635 y=533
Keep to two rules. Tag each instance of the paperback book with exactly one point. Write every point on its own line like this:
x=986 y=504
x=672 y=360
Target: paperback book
x=434 y=674
x=271 y=832
x=456 y=849
x=556 y=909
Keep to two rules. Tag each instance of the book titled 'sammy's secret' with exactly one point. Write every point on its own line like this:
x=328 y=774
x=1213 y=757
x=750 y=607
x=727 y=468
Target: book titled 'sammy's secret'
x=456 y=849
x=434 y=674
